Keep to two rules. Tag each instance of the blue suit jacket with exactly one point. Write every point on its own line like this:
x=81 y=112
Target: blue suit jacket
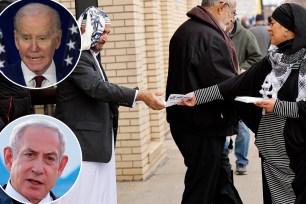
x=5 y=199
x=14 y=73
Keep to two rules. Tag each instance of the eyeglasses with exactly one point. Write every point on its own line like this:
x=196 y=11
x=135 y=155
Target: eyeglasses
x=233 y=13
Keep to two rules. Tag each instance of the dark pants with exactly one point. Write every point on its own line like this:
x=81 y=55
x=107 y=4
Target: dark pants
x=301 y=198
x=208 y=177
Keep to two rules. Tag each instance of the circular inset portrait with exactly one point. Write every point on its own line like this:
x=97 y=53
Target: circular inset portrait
x=40 y=160
x=40 y=43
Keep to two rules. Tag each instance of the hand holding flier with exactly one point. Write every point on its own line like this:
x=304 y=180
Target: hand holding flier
x=150 y=98
x=267 y=104
x=182 y=100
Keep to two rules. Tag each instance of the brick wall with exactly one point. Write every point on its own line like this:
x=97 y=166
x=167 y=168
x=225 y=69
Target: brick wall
x=137 y=56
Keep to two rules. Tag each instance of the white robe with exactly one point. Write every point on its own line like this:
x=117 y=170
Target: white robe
x=95 y=185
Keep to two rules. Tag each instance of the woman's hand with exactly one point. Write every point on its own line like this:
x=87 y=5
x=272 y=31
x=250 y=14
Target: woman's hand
x=267 y=104
x=188 y=102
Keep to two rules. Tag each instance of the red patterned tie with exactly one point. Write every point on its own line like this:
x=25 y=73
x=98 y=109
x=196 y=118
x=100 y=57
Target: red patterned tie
x=39 y=80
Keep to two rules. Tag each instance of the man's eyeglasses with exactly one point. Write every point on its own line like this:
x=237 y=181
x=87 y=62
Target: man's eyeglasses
x=234 y=14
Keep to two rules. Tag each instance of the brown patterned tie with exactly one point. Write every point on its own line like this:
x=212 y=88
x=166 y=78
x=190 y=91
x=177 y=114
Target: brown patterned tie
x=38 y=80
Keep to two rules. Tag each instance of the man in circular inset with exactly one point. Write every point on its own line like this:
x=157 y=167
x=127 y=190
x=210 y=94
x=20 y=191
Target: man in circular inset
x=35 y=159
x=38 y=36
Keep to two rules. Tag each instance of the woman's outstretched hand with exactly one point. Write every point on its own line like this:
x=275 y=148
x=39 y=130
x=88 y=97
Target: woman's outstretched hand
x=267 y=104
x=188 y=102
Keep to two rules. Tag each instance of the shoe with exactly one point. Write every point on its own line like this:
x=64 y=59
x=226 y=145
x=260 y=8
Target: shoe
x=241 y=169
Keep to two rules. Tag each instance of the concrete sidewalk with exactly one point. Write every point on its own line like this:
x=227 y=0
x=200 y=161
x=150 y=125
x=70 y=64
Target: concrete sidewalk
x=166 y=184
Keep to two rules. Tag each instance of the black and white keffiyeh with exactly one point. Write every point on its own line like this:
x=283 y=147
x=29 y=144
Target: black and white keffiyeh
x=282 y=66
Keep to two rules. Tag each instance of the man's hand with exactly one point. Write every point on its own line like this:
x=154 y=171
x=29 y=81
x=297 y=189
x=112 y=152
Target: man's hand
x=188 y=102
x=150 y=99
x=86 y=32
x=268 y=104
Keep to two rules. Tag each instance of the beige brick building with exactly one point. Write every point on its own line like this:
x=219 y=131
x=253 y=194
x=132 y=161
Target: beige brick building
x=137 y=56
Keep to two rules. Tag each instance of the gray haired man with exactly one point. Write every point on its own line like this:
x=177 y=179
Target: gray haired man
x=35 y=159
x=202 y=54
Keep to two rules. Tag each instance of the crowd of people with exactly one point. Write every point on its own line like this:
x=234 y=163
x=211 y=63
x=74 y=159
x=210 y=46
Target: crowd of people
x=265 y=62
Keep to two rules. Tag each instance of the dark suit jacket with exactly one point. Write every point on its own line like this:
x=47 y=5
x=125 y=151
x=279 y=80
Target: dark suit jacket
x=14 y=73
x=5 y=199
x=88 y=105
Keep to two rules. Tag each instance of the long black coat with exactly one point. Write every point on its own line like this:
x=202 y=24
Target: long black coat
x=199 y=57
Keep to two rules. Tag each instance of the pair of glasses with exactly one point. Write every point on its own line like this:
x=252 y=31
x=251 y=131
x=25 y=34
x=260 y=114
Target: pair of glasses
x=233 y=13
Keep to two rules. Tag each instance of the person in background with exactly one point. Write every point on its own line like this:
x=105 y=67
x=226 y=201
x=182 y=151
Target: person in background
x=260 y=31
x=269 y=20
x=245 y=22
x=202 y=54
x=248 y=54
x=278 y=117
x=88 y=103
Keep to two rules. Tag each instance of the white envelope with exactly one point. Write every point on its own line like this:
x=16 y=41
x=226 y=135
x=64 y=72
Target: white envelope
x=248 y=99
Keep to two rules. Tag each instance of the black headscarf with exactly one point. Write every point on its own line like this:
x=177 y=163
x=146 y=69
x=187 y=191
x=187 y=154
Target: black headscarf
x=293 y=17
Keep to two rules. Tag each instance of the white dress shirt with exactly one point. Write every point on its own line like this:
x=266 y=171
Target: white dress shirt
x=50 y=76
x=17 y=196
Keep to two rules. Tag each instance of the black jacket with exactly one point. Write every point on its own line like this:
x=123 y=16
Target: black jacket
x=15 y=101
x=199 y=57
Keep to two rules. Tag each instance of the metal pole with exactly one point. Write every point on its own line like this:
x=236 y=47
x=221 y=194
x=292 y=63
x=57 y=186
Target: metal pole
x=81 y=5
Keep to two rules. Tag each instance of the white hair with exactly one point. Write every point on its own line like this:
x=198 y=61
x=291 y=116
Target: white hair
x=33 y=9
x=209 y=3
x=19 y=130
